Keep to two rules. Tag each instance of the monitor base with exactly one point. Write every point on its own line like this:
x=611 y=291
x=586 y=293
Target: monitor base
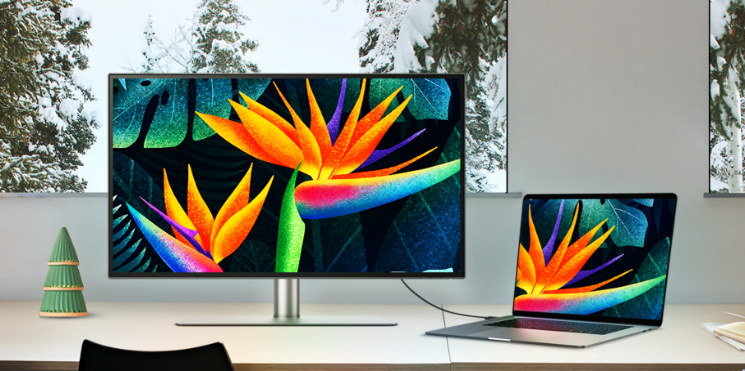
x=279 y=321
x=286 y=313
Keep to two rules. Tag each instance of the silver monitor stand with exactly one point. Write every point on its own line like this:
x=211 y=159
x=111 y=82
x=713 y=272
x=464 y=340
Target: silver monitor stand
x=286 y=313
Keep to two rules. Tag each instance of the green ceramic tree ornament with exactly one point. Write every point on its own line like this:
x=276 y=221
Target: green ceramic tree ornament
x=63 y=288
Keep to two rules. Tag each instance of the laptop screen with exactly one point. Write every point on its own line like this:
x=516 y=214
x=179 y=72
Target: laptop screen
x=602 y=256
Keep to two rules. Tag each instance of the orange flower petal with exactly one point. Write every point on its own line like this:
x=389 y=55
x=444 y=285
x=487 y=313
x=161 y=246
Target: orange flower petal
x=527 y=270
x=553 y=265
x=372 y=117
x=175 y=211
x=318 y=124
x=235 y=230
x=199 y=213
x=311 y=152
x=237 y=201
x=580 y=244
x=269 y=138
x=272 y=117
x=364 y=147
x=536 y=251
x=342 y=143
x=586 y=288
x=573 y=266
x=381 y=172
x=236 y=134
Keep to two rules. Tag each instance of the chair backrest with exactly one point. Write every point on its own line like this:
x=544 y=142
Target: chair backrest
x=211 y=357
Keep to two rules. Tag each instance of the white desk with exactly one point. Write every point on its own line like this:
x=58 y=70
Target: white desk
x=680 y=344
x=28 y=341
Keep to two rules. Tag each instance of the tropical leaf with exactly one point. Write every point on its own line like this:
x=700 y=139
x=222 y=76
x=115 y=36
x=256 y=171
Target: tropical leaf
x=162 y=103
x=131 y=252
x=645 y=201
x=647 y=305
x=165 y=97
x=130 y=267
x=212 y=94
x=253 y=256
x=128 y=248
x=631 y=224
x=430 y=96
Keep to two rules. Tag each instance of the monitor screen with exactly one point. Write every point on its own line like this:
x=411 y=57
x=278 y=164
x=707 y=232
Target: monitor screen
x=595 y=255
x=287 y=175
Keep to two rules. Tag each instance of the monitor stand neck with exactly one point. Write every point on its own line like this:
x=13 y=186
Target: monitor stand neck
x=286 y=298
x=286 y=313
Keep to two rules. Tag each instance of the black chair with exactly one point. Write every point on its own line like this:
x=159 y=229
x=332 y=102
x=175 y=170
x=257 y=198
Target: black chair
x=212 y=357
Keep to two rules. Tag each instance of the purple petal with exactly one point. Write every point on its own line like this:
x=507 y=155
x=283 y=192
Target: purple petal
x=378 y=154
x=189 y=234
x=550 y=244
x=583 y=274
x=333 y=125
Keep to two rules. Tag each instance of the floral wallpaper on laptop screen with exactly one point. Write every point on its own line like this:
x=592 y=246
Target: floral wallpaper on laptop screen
x=601 y=257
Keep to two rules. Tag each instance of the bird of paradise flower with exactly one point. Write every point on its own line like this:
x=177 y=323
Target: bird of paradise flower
x=331 y=161
x=544 y=283
x=201 y=241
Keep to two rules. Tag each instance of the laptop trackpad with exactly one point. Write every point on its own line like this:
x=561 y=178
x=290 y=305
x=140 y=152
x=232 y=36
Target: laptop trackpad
x=515 y=334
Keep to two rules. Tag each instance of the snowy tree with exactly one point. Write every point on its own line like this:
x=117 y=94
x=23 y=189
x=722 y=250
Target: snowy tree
x=221 y=45
x=471 y=37
x=174 y=55
x=42 y=93
x=458 y=37
x=726 y=60
x=154 y=51
x=211 y=42
x=382 y=30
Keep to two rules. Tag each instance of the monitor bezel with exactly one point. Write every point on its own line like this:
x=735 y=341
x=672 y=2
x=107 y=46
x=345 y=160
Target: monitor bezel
x=631 y=321
x=305 y=275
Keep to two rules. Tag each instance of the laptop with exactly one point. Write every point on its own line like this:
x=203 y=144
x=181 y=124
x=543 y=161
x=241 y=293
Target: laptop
x=591 y=268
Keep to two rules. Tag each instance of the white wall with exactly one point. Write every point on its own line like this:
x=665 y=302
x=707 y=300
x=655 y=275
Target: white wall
x=604 y=96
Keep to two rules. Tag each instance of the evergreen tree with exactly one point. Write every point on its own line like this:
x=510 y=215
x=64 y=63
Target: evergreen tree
x=44 y=127
x=727 y=60
x=471 y=37
x=221 y=46
x=466 y=37
x=211 y=42
x=377 y=54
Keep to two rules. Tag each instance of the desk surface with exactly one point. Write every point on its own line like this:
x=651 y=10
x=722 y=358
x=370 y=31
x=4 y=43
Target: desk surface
x=679 y=344
x=54 y=343
x=28 y=341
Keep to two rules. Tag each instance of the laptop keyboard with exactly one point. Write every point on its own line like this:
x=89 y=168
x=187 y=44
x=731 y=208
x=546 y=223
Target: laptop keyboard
x=558 y=325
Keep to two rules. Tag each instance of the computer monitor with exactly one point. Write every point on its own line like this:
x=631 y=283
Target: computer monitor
x=287 y=177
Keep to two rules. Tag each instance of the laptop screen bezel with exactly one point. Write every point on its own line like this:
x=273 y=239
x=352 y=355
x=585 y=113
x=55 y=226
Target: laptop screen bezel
x=632 y=321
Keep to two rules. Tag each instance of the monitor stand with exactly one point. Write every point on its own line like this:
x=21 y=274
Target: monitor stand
x=286 y=313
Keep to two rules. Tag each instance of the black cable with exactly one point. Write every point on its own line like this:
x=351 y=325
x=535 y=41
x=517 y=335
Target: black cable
x=442 y=309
